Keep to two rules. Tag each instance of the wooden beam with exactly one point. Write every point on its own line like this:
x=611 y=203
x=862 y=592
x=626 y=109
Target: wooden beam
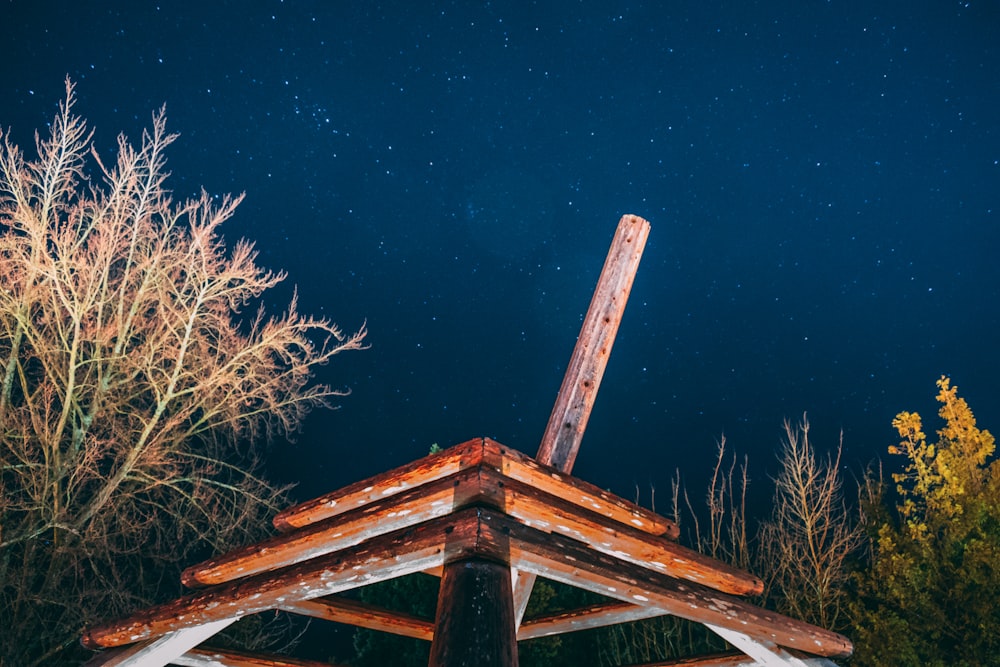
x=728 y=660
x=571 y=489
x=571 y=513
x=472 y=532
x=352 y=612
x=522 y=583
x=570 y=562
x=477 y=452
x=585 y=618
x=226 y=658
x=438 y=498
x=386 y=557
x=764 y=652
x=568 y=420
x=162 y=649
x=430 y=501
x=715 y=660
x=474 y=625
x=339 y=609
x=552 y=514
x=387 y=484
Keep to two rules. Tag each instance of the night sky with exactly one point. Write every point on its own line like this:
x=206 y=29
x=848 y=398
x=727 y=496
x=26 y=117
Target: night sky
x=822 y=179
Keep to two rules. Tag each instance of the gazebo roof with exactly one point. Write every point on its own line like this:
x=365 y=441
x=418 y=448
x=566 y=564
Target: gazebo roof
x=478 y=499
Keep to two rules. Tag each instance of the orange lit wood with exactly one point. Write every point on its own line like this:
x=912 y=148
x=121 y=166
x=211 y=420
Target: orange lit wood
x=585 y=618
x=479 y=532
x=558 y=483
x=162 y=649
x=476 y=452
x=571 y=412
x=385 y=557
x=421 y=471
x=211 y=658
x=569 y=562
x=738 y=660
x=360 y=614
x=351 y=612
x=434 y=500
x=718 y=660
x=568 y=420
x=551 y=514
x=486 y=473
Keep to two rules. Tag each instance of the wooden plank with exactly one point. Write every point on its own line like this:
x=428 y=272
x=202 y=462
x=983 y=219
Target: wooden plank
x=339 y=609
x=226 y=658
x=546 y=478
x=767 y=654
x=474 y=625
x=479 y=451
x=352 y=612
x=727 y=660
x=568 y=420
x=585 y=618
x=473 y=531
x=553 y=515
x=421 y=503
x=435 y=499
x=160 y=650
x=476 y=485
x=731 y=660
x=385 y=557
x=523 y=583
x=417 y=473
x=570 y=562
x=715 y=660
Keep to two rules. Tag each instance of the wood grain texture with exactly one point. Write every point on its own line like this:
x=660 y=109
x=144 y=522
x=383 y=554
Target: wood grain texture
x=385 y=557
x=482 y=472
x=569 y=416
x=474 y=626
x=567 y=561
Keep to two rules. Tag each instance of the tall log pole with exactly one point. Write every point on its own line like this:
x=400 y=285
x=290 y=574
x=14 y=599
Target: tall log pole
x=481 y=602
x=561 y=441
x=568 y=420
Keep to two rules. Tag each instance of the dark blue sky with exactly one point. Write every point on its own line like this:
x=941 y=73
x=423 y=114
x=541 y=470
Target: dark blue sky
x=822 y=179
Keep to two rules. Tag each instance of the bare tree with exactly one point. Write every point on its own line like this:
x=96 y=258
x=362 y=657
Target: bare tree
x=806 y=544
x=718 y=530
x=133 y=391
x=724 y=536
x=801 y=551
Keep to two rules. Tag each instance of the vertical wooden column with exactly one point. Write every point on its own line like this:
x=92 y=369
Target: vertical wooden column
x=569 y=416
x=474 y=626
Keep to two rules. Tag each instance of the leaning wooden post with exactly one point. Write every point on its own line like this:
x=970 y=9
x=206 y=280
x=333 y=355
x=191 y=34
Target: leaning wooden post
x=474 y=624
x=479 y=606
x=568 y=420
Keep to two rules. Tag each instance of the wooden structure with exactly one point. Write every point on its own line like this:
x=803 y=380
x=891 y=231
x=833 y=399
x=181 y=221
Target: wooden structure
x=488 y=520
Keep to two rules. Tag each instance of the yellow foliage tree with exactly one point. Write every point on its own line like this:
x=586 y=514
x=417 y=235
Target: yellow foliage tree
x=929 y=597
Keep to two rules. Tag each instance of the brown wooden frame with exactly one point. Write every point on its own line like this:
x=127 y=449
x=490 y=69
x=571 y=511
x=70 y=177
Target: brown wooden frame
x=488 y=520
x=498 y=508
